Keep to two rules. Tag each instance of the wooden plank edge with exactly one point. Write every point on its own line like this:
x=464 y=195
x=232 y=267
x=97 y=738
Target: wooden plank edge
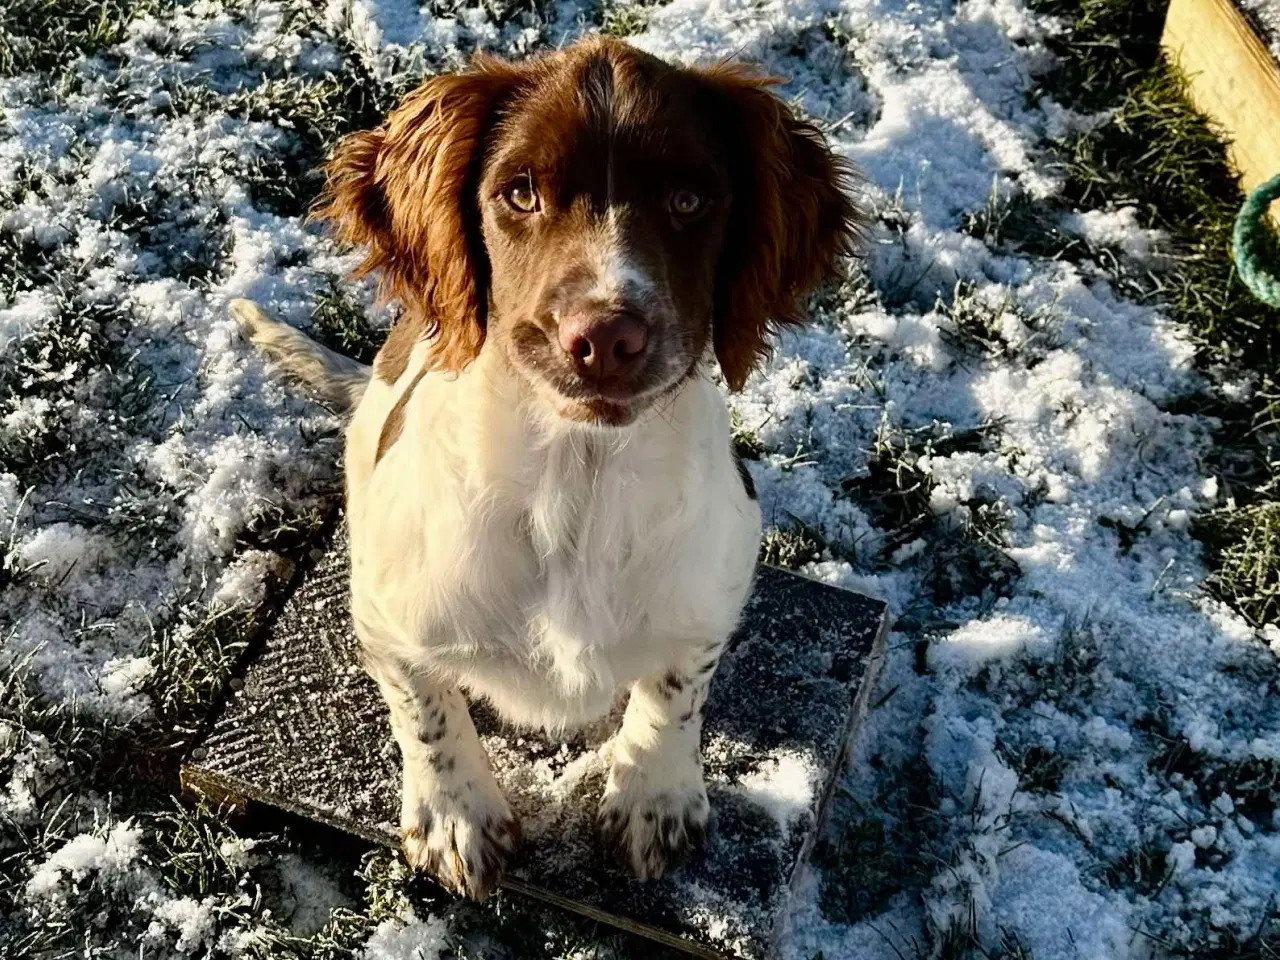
x=279 y=590
x=213 y=786
x=860 y=709
x=234 y=792
x=801 y=575
x=1257 y=80
x=683 y=944
x=200 y=783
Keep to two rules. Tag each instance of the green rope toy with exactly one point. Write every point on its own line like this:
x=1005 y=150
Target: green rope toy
x=1249 y=242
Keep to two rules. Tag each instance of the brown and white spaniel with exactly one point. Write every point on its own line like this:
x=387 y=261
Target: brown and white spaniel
x=544 y=507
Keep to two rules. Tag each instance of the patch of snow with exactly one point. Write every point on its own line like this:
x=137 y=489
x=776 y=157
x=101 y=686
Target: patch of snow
x=244 y=581
x=373 y=23
x=28 y=312
x=1041 y=897
x=107 y=854
x=785 y=786
x=1120 y=229
x=238 y=853
x=979 y=642
x=194 y=921
x=406 y=938
x=308 y=895
x=34 y=768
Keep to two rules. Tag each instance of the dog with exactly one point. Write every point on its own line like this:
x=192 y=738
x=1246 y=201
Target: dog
x=544 y=506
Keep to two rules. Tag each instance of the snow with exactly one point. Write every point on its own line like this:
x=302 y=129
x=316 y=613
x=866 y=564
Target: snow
x=28 y=312
x=977 y=643
x=33 y=769
x=106 y=854
x=194 y=921
x=145 y=444
x=309 y=894
x=1028 y=899
x=406 y=938
x=238 y=853
x=375 y=22
x=784 y=787
x=1117 y=228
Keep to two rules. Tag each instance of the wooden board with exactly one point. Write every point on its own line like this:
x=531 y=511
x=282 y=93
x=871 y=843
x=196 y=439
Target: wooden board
x=1232 y=79
x=306 y=732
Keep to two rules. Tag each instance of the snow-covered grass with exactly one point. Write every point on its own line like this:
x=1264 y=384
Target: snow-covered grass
x=1037 y=419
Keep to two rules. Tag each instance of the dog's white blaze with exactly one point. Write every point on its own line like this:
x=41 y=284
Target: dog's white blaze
x=618 y=275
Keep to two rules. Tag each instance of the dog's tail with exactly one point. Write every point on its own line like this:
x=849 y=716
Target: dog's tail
x=336 y=381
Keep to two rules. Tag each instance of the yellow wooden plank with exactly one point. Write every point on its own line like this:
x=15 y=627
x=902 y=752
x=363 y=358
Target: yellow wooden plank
x=1233 y=80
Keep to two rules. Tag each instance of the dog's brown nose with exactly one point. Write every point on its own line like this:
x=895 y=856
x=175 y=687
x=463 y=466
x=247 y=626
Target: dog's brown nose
x=603 y=346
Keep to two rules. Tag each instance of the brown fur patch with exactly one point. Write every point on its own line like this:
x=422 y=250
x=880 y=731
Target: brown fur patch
x=406 y=192
x=393 y=358
x=794 y=218
x=393 y=426
x=605 y=136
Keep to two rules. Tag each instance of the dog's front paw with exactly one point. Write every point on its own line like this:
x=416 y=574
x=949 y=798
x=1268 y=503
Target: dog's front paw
x=464 y=838
x=652 y=827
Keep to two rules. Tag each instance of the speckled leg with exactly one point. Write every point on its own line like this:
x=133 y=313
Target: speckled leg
x=454 y=821
x=655 y=810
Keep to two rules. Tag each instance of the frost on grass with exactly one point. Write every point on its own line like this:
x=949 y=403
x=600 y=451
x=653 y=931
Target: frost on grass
x=104 y=856
x=1075 y=753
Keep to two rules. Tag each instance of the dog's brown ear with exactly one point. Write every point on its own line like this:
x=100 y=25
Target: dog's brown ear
x=407 y=192
x=792 y=220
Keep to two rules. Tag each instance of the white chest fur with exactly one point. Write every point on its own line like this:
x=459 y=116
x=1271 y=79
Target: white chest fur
x=543 y=565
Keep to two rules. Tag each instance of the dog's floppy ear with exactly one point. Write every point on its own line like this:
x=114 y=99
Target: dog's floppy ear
x=407 y=192
x=792 y=217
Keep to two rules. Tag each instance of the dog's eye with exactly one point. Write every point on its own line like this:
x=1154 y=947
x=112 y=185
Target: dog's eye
x=686 y=203
x=520 y=194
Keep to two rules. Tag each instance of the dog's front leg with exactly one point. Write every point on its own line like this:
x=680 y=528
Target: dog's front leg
x=454 y=821
x=655 y=809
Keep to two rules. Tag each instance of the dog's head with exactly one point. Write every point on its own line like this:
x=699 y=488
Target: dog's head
x=601 y=215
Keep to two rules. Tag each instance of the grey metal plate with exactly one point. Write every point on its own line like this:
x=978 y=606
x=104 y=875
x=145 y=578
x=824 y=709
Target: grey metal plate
x=306 y=731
